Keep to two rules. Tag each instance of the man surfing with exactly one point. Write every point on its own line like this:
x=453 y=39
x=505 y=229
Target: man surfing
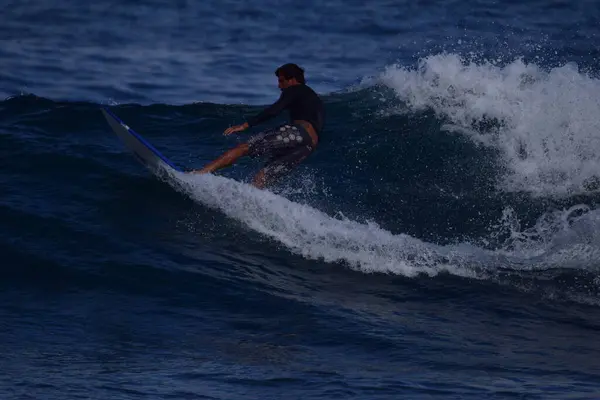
x=286 y=145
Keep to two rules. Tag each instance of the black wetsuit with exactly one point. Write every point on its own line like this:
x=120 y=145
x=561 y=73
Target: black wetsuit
x=288 y=144
x=303 y=104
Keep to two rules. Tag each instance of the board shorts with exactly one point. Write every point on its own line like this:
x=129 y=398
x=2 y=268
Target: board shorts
x=285 y=147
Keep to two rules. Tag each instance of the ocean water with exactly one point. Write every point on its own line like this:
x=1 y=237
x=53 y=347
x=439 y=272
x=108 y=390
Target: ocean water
x=441 y=243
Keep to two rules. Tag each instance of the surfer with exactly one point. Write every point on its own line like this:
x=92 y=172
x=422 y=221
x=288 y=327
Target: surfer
x=286 y=145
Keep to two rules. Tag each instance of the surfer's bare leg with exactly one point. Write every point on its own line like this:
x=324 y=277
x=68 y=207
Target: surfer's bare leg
x=225 y=160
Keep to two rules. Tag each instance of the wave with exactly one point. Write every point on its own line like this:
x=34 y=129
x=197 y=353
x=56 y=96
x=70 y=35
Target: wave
x=383 y=197
x=543 y=123
x=560 y=239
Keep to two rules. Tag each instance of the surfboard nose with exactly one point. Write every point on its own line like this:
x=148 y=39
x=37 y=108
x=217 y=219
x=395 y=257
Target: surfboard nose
x=143 y=151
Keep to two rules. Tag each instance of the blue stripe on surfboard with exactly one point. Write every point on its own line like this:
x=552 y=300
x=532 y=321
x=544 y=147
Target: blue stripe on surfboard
x=142 y=140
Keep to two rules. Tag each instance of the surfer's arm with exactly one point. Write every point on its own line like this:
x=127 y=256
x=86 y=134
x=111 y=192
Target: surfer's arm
x=275 y=109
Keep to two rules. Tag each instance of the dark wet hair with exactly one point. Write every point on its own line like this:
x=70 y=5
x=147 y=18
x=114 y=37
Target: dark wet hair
x=289 y=71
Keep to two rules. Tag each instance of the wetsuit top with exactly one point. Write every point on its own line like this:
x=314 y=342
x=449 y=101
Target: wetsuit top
x=303 y=103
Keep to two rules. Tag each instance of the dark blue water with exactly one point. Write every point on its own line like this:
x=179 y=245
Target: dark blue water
x=442 y=242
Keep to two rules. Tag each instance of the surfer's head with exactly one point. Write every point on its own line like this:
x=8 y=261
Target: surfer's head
x=289 y=75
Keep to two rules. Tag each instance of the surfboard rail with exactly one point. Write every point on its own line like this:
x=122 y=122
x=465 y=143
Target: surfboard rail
x=143 y=151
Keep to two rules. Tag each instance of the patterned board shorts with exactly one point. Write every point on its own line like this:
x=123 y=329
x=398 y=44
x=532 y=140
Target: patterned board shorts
x=285 y=146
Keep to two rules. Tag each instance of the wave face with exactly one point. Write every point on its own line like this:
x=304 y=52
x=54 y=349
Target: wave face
x=419 y=181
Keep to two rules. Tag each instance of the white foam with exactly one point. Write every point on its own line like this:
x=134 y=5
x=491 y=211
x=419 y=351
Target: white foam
x=565 y=238
x=547 y=123
x=315 y=235
x=560 y=239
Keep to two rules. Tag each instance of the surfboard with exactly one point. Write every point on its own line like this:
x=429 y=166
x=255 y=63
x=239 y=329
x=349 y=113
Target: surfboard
x=143 y=151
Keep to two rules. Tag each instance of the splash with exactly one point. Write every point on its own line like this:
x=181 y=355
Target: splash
x=545 y=124
x=312 y=234
x=559 y=240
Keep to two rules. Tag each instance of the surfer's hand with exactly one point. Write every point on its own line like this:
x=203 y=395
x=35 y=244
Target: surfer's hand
x=236 y=128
